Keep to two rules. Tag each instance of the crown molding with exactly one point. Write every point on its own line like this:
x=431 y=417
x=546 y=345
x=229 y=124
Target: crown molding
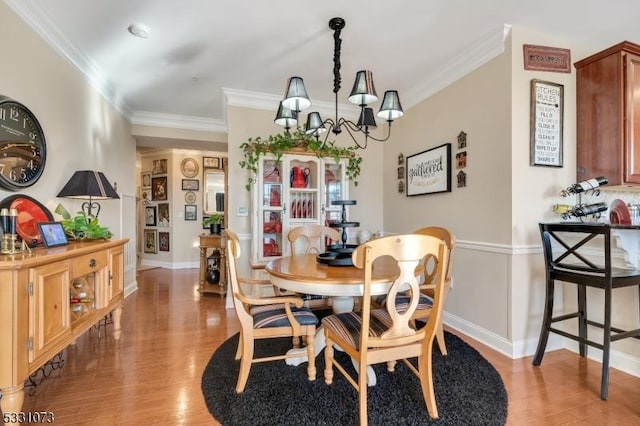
x=474 y=55
x=42 y=25
x=149 y=118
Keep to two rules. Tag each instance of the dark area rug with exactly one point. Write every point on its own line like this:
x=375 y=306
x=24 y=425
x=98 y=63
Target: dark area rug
x=469 y=391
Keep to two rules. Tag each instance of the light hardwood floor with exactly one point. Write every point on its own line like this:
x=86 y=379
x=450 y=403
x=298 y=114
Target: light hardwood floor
x=169 y=332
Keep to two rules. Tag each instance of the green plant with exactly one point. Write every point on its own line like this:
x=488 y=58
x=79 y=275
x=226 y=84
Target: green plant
x=81 y=227
x=280 y=143
x=214 y=219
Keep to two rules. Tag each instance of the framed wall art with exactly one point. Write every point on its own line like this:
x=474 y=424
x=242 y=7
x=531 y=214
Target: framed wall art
x=150 y=241
x=429 y=172
x=164 y=218
x=211 y=162
x=150 y=215
x=190 y=184
x=547 y=109
x=145 y=180
x=190 y=212
x=189 y=167
x=163 y=241
x=159 y=167
x=159 y=188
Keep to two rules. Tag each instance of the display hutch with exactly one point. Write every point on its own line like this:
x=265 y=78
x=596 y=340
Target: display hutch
x=294 y=190
x=48 y=298
x=608 y=115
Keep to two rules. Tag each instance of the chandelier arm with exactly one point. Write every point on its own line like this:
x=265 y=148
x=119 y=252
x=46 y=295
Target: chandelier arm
x=351 y=126
x=349 y=130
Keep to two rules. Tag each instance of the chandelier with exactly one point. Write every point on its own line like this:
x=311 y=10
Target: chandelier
x=363 y=93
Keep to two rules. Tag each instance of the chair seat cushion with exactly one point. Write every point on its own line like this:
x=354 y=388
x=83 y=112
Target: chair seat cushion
x=347 y=325
x=402 y=302
x=266 y=316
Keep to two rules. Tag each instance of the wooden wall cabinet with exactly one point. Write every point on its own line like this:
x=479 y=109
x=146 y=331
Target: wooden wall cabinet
x=608 y=115
x=48 y=298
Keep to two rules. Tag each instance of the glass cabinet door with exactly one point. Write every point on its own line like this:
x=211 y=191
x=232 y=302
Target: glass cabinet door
x=335 y=188
x=271 y=209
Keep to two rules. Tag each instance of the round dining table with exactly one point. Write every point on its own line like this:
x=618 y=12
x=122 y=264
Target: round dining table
x=304 y=274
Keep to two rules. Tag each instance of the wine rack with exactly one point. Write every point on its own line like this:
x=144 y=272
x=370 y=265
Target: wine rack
x=82 y=296
x=581 y=209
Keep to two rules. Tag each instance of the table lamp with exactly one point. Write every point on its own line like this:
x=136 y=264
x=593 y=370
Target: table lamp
x=89 y=185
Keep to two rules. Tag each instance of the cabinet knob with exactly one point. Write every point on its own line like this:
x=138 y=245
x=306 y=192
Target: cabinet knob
x=92 y=262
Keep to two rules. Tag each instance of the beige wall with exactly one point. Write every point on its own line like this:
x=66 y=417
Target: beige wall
x=82 y=130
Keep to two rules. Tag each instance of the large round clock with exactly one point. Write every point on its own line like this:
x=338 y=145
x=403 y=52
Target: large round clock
x=22 y=146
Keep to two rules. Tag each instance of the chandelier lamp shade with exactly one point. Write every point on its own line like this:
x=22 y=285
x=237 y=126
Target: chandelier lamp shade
x=89 y=185
x=296 y=99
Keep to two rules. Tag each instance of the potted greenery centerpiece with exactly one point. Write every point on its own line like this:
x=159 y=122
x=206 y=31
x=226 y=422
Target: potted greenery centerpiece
x=214 y=222
x=298 y=140
x=81 y=226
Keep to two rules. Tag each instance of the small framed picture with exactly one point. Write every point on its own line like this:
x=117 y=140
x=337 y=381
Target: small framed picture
x=204 y=217
x=211 y=162
x=52 y=234
x=159 y=167
x=189 y=167
x=150 y=215
x=401 y=172
x=190 y=197
x=163 y=241
x=163 y=214
x=146 y=195
x=150 y=241
x=190 y=184
x=190 y=212
x=145 y=180
x=159 y=188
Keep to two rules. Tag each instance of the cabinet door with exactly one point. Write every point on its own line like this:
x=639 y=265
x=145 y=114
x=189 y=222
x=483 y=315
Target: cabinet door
x=269 y=199
x=115 y=283
x=335 y=188
x=632 y=126
x=49 y=322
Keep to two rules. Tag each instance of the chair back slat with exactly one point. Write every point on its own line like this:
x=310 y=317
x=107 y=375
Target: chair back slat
x=408 y=251
x=311 y=238
x=233 y=254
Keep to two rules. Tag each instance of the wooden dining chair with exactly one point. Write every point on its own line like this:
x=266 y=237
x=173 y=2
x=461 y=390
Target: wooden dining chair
x=312 y=238
x=385 y=334
x=266 y=318
x=425 y=302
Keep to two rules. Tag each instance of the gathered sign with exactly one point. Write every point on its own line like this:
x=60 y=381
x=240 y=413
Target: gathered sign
x=429 y=171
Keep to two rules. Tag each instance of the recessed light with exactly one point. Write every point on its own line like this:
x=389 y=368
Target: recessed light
x=139 y=30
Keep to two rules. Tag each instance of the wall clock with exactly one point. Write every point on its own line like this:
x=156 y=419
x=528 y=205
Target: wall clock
x=22 y=146
x=189 y=167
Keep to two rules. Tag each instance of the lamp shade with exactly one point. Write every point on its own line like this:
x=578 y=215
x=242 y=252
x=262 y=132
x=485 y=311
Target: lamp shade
x=391 y=108
x=296 y=97
x=314 y=126
x=87 y=185
x=285 y=117
x=367 y=119
x=363 y=92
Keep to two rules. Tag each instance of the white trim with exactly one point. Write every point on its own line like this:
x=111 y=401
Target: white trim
x=499 y=248
x=43 y=26
x=170 y=265
x=472 y=57
x=149 y=118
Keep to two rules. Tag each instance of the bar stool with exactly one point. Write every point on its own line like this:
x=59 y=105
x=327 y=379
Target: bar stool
x=571 y=264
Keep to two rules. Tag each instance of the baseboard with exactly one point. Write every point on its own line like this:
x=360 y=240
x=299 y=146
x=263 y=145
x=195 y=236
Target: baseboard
x=130 y=288
x=170 y=265
x=619 y=360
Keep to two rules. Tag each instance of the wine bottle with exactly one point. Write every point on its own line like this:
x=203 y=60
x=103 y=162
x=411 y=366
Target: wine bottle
x=583 y=210
x=585 y=185
x=562 y=208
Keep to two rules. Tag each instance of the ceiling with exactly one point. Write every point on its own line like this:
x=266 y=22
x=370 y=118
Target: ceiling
x=202 y=53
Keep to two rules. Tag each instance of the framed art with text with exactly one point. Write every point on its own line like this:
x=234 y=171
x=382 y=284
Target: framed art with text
x=190 y=184
x=429 y=172
x=547 y=106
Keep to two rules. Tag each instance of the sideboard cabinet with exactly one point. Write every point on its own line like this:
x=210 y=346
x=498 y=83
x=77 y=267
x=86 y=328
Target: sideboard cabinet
x=608 y=115
x=48 y=298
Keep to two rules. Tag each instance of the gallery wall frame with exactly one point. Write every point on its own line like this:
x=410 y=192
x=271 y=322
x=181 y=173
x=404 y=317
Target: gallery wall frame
x=429 y=172
x=546 y=124
x=150 y=215
x=150 y=241
x=190 y=184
